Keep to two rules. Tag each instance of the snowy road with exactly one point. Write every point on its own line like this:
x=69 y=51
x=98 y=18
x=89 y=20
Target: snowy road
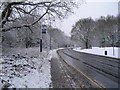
x=102 y=71
x=65 y=76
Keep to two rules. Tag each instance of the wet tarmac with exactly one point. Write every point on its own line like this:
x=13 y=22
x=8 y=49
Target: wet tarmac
x=101 y=70
x=65 y=76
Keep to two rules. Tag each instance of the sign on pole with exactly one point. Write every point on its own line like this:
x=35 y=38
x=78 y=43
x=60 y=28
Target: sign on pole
x=40 y=45
x=44 y=29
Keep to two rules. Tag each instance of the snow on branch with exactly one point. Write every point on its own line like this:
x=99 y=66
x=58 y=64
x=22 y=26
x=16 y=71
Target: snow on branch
x=38 y=10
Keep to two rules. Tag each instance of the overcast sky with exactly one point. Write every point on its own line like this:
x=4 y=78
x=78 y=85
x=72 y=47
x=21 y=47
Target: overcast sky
x=91 y=8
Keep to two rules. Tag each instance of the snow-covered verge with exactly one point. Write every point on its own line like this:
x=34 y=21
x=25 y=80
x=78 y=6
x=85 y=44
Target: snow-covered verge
x=53 y=53
x=25 y=68
x=111 y=52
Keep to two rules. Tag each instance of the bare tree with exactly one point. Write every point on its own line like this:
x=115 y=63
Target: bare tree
x=106 y=30
x=15 y=11
x=82 y=31
x=102 y=32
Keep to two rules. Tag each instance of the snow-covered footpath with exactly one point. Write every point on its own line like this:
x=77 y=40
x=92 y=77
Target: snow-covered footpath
x=26 y=68
x=111 y=52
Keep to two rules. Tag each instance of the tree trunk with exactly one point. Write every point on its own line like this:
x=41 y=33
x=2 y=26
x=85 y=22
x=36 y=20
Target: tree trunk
x=26 y=42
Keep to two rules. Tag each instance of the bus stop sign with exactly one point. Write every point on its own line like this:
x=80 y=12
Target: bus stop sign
x=44 y=28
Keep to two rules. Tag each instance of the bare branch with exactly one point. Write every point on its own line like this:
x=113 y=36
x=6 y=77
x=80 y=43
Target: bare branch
x=26 y=25
x=54 y=8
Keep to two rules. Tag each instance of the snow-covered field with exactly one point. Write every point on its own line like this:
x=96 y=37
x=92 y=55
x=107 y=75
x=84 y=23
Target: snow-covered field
x=25 y=68
x=111 y=52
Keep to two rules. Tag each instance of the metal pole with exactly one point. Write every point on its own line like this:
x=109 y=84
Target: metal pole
x=50 y=33
x=41 y=38
x=113 y=45
x=40 y=45
x=113 y=51
x=50 y=39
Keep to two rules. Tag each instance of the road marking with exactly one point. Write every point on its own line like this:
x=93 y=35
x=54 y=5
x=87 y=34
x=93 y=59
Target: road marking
x=94 y=81
x=99 y=84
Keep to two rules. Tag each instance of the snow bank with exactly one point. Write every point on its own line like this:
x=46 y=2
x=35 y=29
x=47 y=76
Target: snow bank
x=111 y=52
x=26 y=68
x=54 y=54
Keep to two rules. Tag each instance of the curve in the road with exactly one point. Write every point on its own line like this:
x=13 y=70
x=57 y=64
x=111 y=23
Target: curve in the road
x=94 y=68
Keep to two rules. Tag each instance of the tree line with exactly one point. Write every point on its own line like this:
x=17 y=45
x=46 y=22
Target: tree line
x=11 y=12
x=102 y=32
x=20 y=21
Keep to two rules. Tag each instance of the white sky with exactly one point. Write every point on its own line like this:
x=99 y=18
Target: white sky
x=92 y=8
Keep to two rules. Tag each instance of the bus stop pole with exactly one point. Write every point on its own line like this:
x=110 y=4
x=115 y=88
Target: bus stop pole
x=40 y=45
x=41 y=37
